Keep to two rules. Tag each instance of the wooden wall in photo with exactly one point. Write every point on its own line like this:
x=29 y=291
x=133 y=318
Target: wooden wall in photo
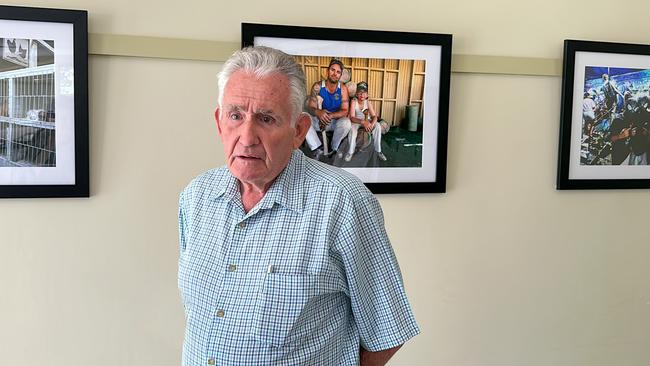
x=393 y=84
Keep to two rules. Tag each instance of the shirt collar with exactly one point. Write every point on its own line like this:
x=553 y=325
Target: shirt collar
x=286 y=190
x=227 y=186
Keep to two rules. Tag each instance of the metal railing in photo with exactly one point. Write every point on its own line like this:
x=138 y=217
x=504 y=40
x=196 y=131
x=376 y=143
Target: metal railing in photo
x=27 y=118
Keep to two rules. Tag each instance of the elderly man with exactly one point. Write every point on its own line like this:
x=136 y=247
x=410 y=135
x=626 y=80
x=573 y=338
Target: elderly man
x=284 y=260
x=331 y=114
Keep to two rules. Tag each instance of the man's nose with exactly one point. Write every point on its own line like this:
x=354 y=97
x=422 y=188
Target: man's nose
x=248 y=135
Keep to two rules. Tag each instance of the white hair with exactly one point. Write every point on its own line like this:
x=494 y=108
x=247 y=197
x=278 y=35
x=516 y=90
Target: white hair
x=263 y=61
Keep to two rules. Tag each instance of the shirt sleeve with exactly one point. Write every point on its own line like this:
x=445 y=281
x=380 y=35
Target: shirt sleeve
x=379 y=304
x=182 y=223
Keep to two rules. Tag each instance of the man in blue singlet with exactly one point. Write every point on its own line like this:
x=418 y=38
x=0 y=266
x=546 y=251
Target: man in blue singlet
x=328 y=106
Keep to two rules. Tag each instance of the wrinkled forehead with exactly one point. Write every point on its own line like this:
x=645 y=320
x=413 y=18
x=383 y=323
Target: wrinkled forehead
x=268 y=90
x=250 y=81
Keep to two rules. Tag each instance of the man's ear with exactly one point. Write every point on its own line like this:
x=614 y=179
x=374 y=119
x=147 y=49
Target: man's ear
x=302 y=127
x=217 y=113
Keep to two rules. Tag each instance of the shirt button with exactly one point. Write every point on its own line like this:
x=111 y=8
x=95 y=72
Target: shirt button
x=221 y=313
x=232 y=268
x=242 y=225
x=211 y=361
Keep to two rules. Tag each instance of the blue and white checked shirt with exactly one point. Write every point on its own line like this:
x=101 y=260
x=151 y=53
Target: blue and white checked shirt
x=305 y=278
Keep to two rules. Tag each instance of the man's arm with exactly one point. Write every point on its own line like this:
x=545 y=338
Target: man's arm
x=379 y=305
x=379 y=358
x=345 y=103
x=312 y=101
x=353 y=117
x=182 y=223
x=372 y=112
x=312 y=106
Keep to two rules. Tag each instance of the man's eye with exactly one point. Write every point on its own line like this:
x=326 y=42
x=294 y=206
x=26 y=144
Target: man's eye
x=267 y=119
x=235 y=116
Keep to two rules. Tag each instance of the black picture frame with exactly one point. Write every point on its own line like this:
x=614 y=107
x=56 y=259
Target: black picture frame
x=44 y=118
x=433 y=52
x=594 y=152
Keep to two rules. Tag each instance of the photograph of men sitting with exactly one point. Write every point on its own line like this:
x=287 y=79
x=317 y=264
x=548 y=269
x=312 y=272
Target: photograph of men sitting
x=331 y=114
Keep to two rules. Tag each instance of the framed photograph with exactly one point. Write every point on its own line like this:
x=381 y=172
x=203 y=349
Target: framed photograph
x=43 y=102
x=389 y=92
x=605 y=119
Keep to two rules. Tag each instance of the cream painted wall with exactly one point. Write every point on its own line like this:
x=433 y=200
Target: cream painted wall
x=503 y=270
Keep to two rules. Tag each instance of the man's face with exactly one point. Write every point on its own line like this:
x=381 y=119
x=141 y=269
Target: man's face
x=254 y=122
x=334 y=73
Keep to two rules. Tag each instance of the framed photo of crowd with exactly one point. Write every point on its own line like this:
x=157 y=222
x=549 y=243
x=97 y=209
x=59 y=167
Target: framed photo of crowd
x=43 y=102
x=389 y=92
x=605 y=117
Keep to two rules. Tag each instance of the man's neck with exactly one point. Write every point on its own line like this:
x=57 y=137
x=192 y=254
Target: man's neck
x=331 y=86
x=252 y=194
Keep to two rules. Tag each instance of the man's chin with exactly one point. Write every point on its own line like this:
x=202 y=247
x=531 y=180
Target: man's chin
x=258 y=178
x=247 y=176
x=247 y=167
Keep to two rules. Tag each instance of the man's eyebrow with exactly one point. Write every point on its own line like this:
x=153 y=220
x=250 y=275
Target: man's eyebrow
x=234 y=108
x=240 y=108
x=229 y=108
x=265 y=111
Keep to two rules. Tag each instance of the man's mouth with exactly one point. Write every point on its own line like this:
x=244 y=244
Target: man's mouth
x=248 y=157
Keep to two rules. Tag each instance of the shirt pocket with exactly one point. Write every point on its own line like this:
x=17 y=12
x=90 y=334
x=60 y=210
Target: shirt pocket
x=276 y=318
